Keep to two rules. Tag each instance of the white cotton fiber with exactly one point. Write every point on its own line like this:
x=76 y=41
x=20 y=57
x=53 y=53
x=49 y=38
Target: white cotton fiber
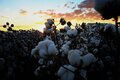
x=75 y=32
x=88 y=59
x=65 y=74
x=67 y=28
x=72 y=32
x=65 y=48
x=46 y=47
x=52 y=50
x=35 y=52
x=69 y=32
x=74 y=57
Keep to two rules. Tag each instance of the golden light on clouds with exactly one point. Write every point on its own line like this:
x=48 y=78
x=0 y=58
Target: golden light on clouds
x=34 y=14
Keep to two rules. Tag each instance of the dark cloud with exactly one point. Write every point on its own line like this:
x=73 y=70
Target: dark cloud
x=70 y=5
x=86 y=10
x=23 y=12
x=86 y=4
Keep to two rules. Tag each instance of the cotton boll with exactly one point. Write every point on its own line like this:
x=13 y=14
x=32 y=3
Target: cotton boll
x=52 y=50
x=88 y=59
x=75 y=32
x=67 y=28
x=74 y=57
x=46 y=47
x=42 y=52
x=35 y=52
x=65 y=48
x=69 y=32
x=50 y=47
x=72 y=32
x=65 y=74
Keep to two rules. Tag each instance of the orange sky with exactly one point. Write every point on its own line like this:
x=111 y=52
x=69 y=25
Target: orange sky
x=28 y=14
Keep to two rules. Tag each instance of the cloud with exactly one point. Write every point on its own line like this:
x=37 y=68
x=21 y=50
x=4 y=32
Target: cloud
x=23 y=12
x=87 y=4
x=70 y=5
x=85 y=11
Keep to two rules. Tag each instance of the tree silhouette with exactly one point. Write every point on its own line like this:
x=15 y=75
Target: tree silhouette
x=109 y=9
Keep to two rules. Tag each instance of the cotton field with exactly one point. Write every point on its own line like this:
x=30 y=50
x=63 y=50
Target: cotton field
x=77 y=54
x=88 y=52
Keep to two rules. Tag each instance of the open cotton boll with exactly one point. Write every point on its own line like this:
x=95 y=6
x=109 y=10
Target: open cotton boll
x=65 y=47
x=88 y=59
x=67 y=28
x=72 y=32
x=50 y=47
x=52 y=50
x=75 y=32
x=69 y=32
x=74 y=57
x=46 y=47
x=65 y=74
x=35 y=52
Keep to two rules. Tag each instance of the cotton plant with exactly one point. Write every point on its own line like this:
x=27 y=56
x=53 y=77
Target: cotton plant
x=49 y=26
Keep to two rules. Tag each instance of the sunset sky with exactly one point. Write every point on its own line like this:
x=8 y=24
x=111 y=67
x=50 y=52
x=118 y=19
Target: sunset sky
x=33 y=13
